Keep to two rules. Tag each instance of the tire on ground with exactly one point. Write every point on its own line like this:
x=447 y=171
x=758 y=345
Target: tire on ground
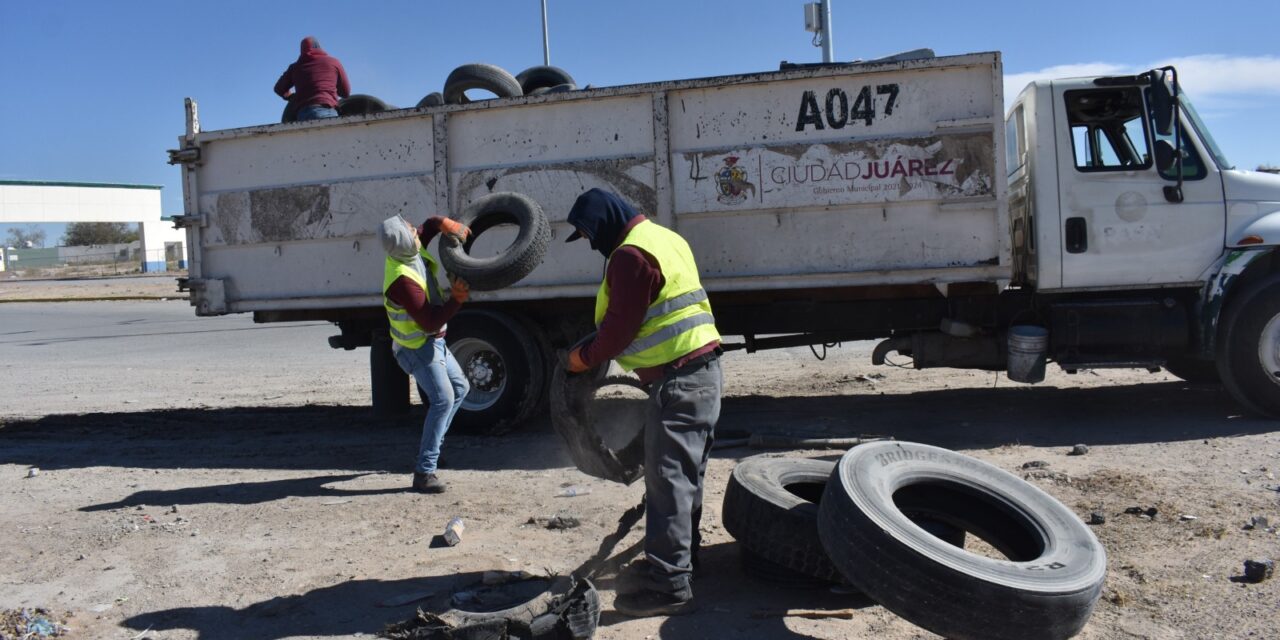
x=504 y=366
x=516 y=603
x=771 y=509
x=479 y=76
x=542 y=77
x=433 y=99
x=1046 y=589
x=509 y=266
x=361 y=104
x=1249 y=348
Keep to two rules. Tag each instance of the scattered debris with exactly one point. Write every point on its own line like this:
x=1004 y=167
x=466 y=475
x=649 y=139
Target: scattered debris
x=453 y=531
x=1187 y=518
x=1097 y=517
x=330 y=503
x=173 y=509
x=573 y=490
x=558 y=522
x=30 y=623
x=1078 y=450
x=1035 y=464
x=1256 y=571
x=1144 y=512
x=1257 y=522
x=33 y=472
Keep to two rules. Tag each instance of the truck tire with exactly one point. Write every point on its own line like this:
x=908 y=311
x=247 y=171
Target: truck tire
x=517 y=603
x=1249 y=348
x=519 y=260
x=479 y=76
x=542 y=77
x=361 y=104
x=502 y=362
x=771 y=509
x=1046 y=588
x=433 y=99
x=571 y=418
x=290 y=113
x=1194 y=370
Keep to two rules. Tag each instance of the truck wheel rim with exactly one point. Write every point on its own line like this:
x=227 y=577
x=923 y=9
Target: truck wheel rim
x=1269 y=349
x=485 y=370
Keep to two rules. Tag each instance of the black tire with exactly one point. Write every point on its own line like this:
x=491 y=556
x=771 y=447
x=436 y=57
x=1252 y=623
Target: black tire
x=361 y=104
x=572 y=419
x=1249 y=348
x=527 y=600
x=1046 y=590
x=290 y=113
x=433 y=99
x=479 y=76
x=771 y=509
x=1194 y=370
x=509 y=267
x=563 y=88
x=573 y=617
x=542 y=77
x=504 y=367
x=776 y=575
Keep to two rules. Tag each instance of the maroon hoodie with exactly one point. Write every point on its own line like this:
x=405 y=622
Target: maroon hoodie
x=318 y=77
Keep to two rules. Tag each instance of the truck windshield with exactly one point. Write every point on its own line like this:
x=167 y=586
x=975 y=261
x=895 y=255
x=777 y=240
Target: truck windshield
x=1209 y=142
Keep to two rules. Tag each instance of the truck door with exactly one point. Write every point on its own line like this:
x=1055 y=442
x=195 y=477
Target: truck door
x=1117 y=227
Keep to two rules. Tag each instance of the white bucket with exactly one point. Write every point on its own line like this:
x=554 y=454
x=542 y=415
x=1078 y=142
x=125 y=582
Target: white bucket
x=1028 y=349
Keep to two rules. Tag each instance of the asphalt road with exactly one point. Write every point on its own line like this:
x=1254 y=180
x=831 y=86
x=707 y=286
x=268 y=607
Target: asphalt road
x=81 y=357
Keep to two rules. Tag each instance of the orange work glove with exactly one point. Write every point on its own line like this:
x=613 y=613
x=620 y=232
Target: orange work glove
x=576 y=363
x=460 y=290
x=459 y=231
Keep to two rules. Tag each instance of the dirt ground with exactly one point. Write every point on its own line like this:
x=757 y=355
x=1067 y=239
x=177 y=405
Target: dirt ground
x=292 y=521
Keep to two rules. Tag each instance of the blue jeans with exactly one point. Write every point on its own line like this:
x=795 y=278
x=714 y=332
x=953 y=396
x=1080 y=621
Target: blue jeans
x=315 y=112
x=439 y=375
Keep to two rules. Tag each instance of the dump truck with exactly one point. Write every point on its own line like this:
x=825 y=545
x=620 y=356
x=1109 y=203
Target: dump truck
x=1095 y=224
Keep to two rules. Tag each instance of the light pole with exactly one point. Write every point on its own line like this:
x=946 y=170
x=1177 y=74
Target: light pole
x=546 y=41
x=828 y=48
x=817 y=20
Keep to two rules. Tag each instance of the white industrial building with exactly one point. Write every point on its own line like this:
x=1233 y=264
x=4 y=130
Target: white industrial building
x=39 y=202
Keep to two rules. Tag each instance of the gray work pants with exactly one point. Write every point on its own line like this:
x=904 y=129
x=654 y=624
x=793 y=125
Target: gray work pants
x=683 y=409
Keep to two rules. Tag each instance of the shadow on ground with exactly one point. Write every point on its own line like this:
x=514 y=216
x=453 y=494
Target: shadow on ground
x=730 y=605
x=348 y=438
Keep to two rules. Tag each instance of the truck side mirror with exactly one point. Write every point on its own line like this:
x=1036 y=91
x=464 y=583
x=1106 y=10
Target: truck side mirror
x=1162 y=104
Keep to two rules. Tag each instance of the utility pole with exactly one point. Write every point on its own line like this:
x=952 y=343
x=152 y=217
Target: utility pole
x=546 y=41
x=828 y=48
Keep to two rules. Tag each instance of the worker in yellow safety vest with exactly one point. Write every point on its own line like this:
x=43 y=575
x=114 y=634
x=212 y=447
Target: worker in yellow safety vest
x=417 y=314
x=652 y=316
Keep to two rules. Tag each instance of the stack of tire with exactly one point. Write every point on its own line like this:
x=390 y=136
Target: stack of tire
x=476 y=75
x=890 y=519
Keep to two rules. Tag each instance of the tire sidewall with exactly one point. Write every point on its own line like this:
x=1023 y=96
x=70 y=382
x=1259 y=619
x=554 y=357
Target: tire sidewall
x=867 y=476
x=1238 y=363
x=513 y=264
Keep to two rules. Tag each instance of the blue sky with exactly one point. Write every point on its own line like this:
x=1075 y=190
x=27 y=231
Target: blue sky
x=93 y=90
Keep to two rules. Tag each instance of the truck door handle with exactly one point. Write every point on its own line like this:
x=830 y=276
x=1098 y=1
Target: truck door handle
x=1077 y=235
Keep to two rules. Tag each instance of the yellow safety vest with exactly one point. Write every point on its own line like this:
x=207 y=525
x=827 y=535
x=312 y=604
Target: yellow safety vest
x=679 y=321
x=404 y=329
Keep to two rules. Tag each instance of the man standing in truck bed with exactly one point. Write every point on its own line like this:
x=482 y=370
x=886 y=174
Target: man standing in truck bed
x=319 y=79
x=652 y=316
x=416 y=315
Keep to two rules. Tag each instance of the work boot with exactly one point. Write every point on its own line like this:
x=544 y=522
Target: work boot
x=427 y=483
x=648 y=602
